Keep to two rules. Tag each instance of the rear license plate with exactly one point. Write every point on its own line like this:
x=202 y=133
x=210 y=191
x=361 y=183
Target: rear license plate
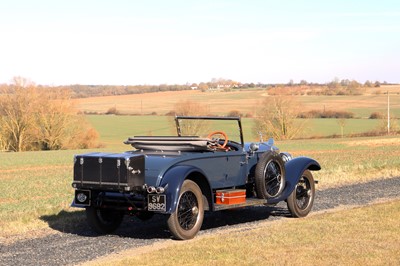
x=156 y=202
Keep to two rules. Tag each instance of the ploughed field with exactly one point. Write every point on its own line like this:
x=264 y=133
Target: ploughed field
x=245 y=101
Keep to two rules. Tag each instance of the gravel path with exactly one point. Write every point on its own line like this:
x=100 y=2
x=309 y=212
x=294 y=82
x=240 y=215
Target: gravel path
x=66 y=248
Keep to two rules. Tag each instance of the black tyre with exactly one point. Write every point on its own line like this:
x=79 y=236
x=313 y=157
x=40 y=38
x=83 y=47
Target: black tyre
x=103 y=221
x=269 y=175
x=301 y=199
x=185 y=222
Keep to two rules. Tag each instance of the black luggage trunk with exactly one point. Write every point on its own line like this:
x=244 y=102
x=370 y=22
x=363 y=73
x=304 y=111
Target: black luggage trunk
x=109 y=171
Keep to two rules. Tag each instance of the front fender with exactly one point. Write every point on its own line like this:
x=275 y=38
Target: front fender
x=294 y=169
x=172 y=181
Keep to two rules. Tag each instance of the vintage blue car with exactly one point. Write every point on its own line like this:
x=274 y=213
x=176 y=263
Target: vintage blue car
x=206 y=167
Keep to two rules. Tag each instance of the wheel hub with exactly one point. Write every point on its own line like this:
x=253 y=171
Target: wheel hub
x=195 y=210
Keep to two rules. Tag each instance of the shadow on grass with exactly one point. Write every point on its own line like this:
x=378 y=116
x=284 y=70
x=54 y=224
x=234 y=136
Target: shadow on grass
x=156 y=228
x=67 y=222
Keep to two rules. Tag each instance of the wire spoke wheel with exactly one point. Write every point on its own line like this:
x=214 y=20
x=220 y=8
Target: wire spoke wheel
x=188 y=210
x=303 y=193
x=185 y=222
x=273 y=178
x=301 y=199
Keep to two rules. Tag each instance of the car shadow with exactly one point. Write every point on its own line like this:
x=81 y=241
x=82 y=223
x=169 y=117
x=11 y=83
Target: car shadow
x=156 y=227
x=75 y=223
x=215 y=220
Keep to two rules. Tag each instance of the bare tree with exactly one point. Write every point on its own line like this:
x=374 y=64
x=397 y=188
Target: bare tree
x=277 y=118
x=35 y=118
x=53 y=117
x=16 y=111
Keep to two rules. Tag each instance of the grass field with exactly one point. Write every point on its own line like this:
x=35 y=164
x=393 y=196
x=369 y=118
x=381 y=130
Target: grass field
x=361 y=236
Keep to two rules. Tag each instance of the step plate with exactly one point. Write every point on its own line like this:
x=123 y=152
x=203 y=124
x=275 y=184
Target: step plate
x=249 y=202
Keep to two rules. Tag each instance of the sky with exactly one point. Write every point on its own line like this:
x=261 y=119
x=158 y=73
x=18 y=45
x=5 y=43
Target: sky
x=129 y=42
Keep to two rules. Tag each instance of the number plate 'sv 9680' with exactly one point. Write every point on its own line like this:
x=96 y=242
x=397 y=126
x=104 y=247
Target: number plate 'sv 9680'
x=156 y=202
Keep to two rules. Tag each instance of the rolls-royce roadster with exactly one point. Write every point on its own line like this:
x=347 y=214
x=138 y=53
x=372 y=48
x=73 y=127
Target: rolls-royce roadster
x=206 y=166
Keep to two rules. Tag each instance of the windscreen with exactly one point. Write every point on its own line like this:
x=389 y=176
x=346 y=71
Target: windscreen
x=204 y=127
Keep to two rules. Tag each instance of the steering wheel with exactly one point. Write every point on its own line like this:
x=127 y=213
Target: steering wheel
x=216 y=133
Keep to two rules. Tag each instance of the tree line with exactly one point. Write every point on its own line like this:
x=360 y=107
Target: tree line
x=334 y=87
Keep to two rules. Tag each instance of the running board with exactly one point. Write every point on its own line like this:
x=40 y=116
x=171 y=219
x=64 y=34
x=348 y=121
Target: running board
x=248 y=202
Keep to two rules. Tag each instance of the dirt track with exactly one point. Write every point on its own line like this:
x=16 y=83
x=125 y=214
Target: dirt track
x=73 y=247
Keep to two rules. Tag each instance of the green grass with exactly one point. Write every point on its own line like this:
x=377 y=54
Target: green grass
x=328 y=127
x=26 y=160
x=33 y=184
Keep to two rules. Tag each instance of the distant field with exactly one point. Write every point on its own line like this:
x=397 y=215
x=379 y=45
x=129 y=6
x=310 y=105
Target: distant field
x=246 y=101
x=164 y=102
x=362 y=106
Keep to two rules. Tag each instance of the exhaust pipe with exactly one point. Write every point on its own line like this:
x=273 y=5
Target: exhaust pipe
x=151 y=189
x=160 y=190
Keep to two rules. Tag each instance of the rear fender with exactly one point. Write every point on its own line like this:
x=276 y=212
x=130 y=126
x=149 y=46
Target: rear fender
x=294 y=169
x=172 y=181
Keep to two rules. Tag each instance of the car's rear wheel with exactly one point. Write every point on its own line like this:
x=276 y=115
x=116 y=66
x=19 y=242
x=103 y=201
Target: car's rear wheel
x=185 y=222
x=269 y=175
x=103 y=221
x=301 y=200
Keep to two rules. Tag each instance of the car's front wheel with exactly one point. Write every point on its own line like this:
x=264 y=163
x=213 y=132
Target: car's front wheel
x=301 y=200
x=103 y=221
x=185 y=222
